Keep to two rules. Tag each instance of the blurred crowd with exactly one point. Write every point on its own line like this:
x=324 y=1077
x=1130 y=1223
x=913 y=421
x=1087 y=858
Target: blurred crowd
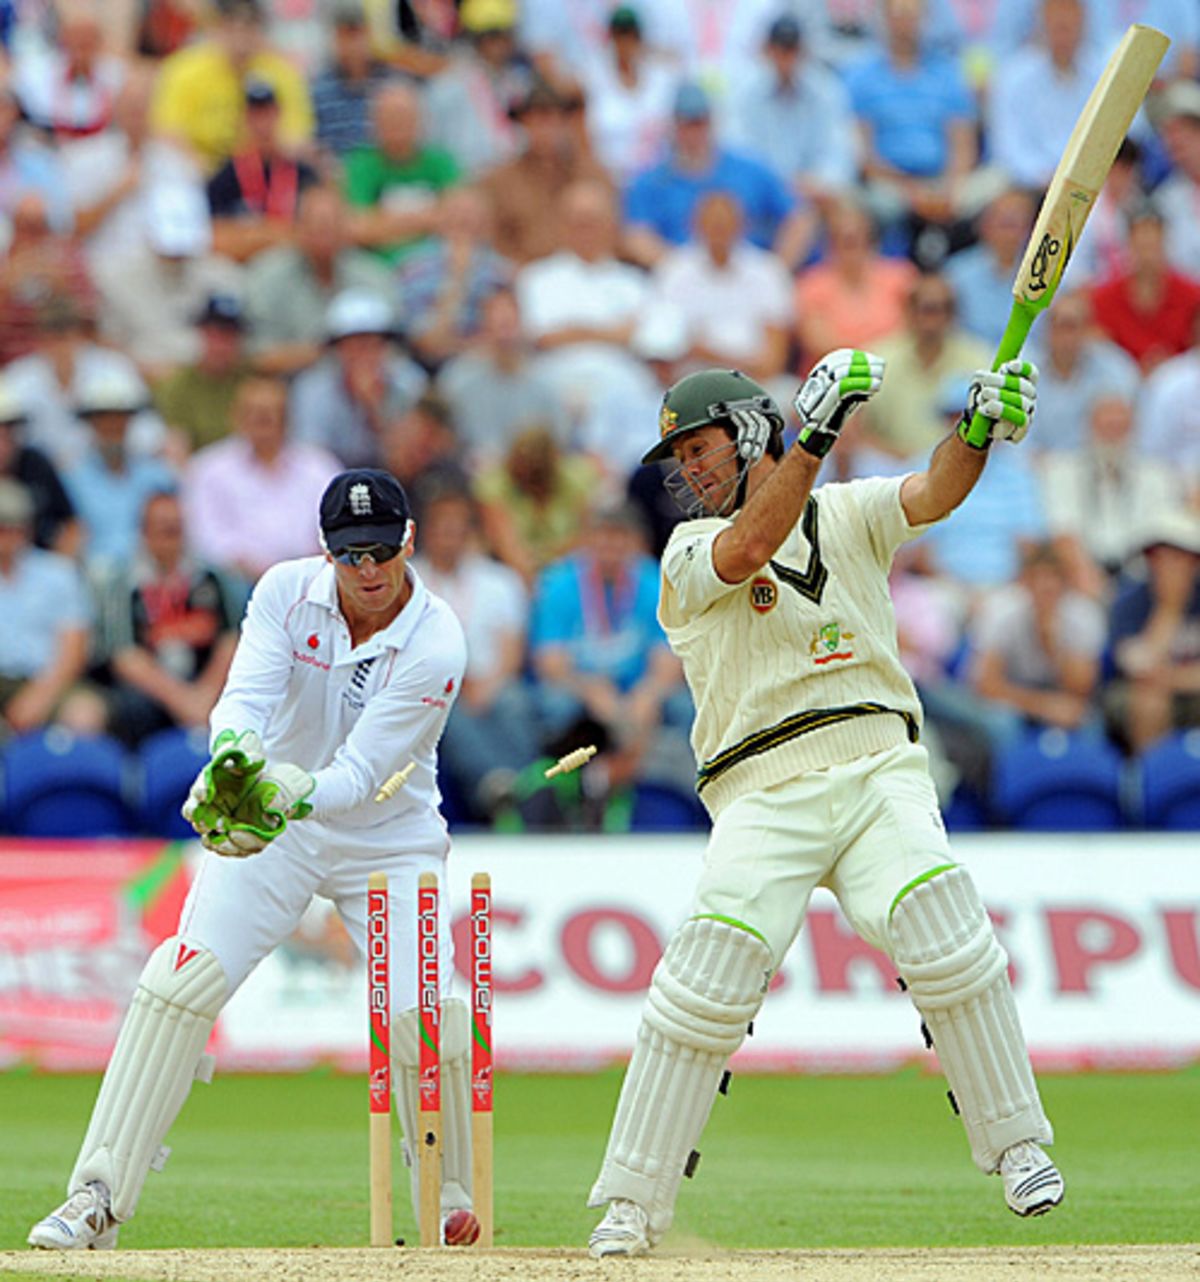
x=246 y=243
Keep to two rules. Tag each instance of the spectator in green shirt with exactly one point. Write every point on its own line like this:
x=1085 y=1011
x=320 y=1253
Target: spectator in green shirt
x=195 y=400
x=394 y=185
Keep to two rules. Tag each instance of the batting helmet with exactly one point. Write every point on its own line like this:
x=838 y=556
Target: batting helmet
x=709 y=397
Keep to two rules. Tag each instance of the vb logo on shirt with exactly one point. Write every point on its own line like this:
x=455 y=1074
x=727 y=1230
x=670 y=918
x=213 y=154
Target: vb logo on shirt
x=764 y=595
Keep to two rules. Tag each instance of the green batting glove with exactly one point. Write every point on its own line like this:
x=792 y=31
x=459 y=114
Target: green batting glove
x=837 y=386
x=1006 y=399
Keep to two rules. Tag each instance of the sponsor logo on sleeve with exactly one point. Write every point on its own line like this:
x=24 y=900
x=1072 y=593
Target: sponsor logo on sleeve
x=764 y=595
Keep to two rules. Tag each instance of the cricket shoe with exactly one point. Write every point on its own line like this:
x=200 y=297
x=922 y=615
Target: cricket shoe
x=625 y=1230
x=1032 y=1183
x=83 y=1222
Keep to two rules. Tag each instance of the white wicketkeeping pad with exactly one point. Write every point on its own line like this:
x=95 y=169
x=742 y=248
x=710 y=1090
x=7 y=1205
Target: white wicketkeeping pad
x=159 y=1052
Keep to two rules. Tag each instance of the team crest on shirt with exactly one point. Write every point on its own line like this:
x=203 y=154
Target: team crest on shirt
x=764 y=595
x=831 y=642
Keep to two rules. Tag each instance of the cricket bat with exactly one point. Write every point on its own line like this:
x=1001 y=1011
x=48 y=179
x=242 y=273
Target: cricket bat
x=1089 y=154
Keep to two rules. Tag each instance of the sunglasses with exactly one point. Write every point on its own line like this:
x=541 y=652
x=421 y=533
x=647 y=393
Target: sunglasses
x=378 y=552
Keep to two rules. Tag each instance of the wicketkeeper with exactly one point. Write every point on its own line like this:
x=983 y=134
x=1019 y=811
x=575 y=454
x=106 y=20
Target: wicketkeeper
x=775 y=597
x=345 y=672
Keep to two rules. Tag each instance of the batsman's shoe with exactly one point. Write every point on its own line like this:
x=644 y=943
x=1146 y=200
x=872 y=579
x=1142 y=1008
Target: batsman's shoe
x=1032 y=1183
x=623 y=1231
x=83 y=1222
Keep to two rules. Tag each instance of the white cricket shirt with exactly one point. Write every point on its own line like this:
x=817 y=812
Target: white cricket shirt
x=796 y=668
x=353 y=715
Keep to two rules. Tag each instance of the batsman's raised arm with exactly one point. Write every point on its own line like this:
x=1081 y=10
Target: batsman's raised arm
x=1005 y=400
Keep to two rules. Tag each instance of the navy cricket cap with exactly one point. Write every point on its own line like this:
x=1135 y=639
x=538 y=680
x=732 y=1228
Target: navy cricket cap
x=364 y=505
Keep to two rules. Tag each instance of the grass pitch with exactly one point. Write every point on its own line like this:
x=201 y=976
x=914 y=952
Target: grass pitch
x=788 y=1162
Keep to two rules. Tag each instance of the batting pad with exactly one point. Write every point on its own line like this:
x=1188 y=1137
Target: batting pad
x=159 y=1050
x=705 y=991
x=957 y=975
x=456 y=1100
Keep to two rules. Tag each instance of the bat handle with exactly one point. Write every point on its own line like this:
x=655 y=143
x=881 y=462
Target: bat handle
x=1020 y=321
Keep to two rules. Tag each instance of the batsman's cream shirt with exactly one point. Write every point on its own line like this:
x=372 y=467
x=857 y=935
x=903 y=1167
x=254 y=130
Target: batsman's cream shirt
x=797 y=667
x=352 y=715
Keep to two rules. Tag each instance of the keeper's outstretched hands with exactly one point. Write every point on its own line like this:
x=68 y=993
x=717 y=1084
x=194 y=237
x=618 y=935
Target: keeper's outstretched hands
x=837 y=386
x=237 y=759
x=1006 y=397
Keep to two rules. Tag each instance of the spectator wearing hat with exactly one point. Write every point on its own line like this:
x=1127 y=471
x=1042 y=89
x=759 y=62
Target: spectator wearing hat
x=49 y=381
x=494 y=388
x=1076 y=363
x=40 y=263
x=248 y=500
x=394 y=183
x=1151 y=309
x=735 y=296
x=660 y=202
x=110 y=483
x=630 y=87
x=196 y=399
x=53 y=524
x=152 y=292
x=200 y=97
x=1177 y=114
x=855 y=296
x=524 y=191
x=345 y=401
x=794 y=113
x=165 y=630
x=444 y=281
x=1154 y=635
x=466 y=105
x=67 y=88
x=254 y=195
x=342 y=92
x=109 y=175
x=44 y=641
x=289 y=288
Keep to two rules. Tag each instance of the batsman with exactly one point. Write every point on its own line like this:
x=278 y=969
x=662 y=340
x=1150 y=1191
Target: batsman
x=807 y=734
x=345 y=670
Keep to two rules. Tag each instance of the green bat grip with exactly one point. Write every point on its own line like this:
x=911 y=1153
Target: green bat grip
x=1020 y=321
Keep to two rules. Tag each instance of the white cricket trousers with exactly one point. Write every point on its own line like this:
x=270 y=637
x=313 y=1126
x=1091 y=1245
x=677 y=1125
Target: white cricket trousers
x=242 y=909
x=865 y=830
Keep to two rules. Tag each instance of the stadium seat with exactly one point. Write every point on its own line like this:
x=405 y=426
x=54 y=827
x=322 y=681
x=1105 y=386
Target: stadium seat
x=1055 y=781
x=1169 y=772
x=168 y=761
x=659 y=808
x=58 y=784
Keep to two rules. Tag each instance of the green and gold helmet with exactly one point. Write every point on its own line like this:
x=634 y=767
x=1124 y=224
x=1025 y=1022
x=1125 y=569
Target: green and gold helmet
x=709 y=396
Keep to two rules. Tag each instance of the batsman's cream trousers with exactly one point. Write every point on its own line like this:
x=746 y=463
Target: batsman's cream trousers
x=241 y=909
x=865 y=830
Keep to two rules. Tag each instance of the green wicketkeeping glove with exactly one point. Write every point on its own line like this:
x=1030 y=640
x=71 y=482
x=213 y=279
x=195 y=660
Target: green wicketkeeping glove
x=237 y=758
x=279 y=793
